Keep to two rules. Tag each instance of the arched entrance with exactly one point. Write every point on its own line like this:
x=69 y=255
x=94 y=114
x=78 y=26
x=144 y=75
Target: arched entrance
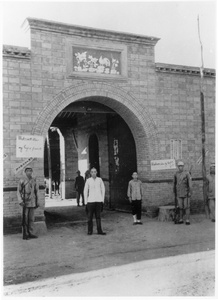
x=95 y=136
x=140 y=123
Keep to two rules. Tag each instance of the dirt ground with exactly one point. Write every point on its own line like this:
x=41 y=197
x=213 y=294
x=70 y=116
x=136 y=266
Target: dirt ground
x=67 y=250
x=181 y=275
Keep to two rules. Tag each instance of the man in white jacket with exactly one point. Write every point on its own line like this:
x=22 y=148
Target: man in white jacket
x=94 y=193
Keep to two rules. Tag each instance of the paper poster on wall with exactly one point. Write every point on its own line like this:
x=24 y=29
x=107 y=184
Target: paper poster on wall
x=30 y=146
x=163 y=164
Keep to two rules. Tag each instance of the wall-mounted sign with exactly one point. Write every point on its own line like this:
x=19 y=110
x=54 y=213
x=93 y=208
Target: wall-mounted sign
x=163 y=164
x=29 y=146
x=22 y=165
x=96 y=61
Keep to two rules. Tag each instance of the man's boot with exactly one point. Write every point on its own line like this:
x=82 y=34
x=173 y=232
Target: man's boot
x=98 y=221
x=187 y=222
x=25 y=234
x=33 y=236
x=90 y=227
x=180 y=216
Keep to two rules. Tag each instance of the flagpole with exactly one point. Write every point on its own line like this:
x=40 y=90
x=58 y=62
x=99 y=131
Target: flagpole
x=203 y=136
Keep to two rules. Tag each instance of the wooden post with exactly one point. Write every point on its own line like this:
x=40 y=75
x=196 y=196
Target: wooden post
x=49 y=167
x=203 y=136
x=203 y=139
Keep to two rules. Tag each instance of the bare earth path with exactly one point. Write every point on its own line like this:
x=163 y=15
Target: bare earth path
x=154 y=252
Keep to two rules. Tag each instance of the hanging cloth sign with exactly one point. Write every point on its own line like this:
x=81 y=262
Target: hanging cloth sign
x=30 y=146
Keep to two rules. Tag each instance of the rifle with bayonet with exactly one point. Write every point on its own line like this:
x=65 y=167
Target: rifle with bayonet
x=24 y=229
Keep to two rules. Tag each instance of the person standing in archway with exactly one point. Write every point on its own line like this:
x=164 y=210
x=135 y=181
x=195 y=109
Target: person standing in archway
x=79 y=186
x=94 y=194
x=134 y=194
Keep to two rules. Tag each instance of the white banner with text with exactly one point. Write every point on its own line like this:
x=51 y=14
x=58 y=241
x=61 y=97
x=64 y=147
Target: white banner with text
x=163 y=164
x=30 y=146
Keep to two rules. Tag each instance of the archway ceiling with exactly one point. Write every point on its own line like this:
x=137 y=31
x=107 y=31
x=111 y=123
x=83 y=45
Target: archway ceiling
x=67 y=117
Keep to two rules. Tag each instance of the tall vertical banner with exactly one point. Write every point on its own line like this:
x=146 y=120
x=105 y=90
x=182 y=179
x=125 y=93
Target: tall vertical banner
x=29 y=146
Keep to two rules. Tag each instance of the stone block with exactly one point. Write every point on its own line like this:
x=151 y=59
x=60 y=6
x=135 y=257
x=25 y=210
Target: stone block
x=40 y=228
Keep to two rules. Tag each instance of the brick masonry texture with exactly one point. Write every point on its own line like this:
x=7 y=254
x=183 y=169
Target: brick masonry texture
x=157 y=105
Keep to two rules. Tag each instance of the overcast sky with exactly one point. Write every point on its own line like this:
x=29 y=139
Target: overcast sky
x=175 y=23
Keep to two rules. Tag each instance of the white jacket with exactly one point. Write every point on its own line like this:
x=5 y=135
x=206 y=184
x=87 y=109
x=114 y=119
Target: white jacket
x=94 y=190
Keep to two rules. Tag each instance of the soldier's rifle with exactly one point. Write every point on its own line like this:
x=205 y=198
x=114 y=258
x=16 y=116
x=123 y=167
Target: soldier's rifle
x=23 y=209
x=23 y=212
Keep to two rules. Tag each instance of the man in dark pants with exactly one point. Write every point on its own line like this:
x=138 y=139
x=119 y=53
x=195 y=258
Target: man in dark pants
x=79 y=186
x=94 y=193
x=134 y=194
x=27 y=194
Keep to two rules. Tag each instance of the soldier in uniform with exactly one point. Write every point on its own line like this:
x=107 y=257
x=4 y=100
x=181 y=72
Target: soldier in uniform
x=211 y=191
x=182 y=186
x=27 y=194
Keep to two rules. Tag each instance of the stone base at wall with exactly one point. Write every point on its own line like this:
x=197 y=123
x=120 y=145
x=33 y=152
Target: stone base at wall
x=40 y=228
x=13 y=225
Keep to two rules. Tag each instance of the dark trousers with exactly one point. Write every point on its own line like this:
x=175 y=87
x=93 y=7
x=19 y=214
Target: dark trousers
x=94 y=208
x=28 y=220
x=137 y=208
x=80 y=193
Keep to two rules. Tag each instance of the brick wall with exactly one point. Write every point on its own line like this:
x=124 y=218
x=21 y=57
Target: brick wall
x=157 y=105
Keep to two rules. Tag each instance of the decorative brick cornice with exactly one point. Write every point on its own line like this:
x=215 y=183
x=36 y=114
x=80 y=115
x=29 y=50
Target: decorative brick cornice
x=88 y=32
x=186 y=70
x=17 y=52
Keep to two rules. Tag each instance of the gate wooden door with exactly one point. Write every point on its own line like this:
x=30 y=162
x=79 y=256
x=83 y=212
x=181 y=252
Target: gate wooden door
x=122 y=160
x=94 y=153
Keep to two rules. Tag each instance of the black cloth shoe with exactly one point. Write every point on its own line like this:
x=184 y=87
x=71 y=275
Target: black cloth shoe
x=213 y=220
x=139 y=223
x=26 y=238
x=180 y=222
x=32 y=236
x=102 y=233
x=187 y=223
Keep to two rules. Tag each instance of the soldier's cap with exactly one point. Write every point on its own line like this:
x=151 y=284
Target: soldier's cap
x=28 y=168
x=180 y=163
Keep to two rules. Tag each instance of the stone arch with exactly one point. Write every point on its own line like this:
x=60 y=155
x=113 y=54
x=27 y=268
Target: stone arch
x=138 y=119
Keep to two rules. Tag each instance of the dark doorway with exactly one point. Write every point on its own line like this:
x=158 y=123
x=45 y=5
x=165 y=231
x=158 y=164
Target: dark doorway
x=94 y=152
x=122 y=160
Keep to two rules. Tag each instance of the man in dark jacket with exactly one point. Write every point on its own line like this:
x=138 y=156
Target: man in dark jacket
x=79 y=186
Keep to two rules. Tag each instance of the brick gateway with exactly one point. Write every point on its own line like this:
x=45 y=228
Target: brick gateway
x=115 y=74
